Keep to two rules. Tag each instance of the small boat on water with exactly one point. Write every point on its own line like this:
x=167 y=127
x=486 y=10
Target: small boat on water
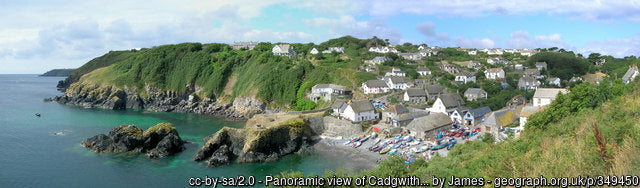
x=38 y=114
x=385 y=150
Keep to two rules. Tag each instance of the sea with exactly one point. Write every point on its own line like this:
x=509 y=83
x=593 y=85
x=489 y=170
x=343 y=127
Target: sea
x=33 y=155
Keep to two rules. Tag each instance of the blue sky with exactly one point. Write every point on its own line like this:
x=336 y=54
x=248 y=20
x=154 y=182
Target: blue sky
x=39 y=35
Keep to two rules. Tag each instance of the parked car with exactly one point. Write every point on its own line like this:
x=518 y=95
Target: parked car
x=459 y=133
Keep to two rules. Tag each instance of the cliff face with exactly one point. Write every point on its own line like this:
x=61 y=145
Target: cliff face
x=255 y=143
x=153 y=99
x=58 y=72
x=157 y=141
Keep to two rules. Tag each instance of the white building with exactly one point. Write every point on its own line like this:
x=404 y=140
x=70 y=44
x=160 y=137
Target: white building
x=544 y=96
x=472 y=52
x=446 y=103
x=283 y=50
x=396 y=82
x=360 y=110
x=630 y=75
x=494 y=73
x=314 y=51
x=375 y=86
x=383 y=50
x=465 y=77
x=328 y=91
x=396 y=72
x=554 y=81
x=423 y=71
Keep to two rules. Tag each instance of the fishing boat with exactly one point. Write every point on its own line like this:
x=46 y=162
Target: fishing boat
x=357 y=144
x=396 y=145
x=365 y=139
x=385 y=150
x=377 y=148
x=420 y=149
x=38 y=114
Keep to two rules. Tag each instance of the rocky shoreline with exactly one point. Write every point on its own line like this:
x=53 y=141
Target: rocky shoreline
x=153 y=99
x=158 y=141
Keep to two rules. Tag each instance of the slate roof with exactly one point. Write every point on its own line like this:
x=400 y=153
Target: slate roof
x=531 y=72
x=549 y=92
x=337 y=104
x=495 y=70
x=467 y=74
x=527 y=111
x=419 y=69
x=412 y=115
x=501 y=118
x=397 y=109
x=474 y=91
x=451 y=100
x=361 y=106
x=479 y=112
x=429 y=122
x=376 y=84
x=416 y=92
x=433 y=89
x=397 y=80
x=629 y=73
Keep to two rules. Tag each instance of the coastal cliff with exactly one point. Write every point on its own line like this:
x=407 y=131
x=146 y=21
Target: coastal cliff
x=264 y=138
x=156 y=142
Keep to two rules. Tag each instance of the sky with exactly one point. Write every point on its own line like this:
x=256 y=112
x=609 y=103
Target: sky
x=39 y=35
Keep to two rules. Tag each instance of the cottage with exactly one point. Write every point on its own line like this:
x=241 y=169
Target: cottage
x=429 y=125
x=375 y=86
x=465 y=77
x=405 y=119
x=457 y=114
x=497 y=60
x=433 y=91
x=368 y=68
x=314 y=51
x=396 y=72
x=383 y=50
x=410 y=56
x=328 y=92
x=499 y=119
x=396 y=82
x=518 y=67
x=446 y=103
x=532 y=72
x=510 y=50
x=475 y=93
x=360 y=110
x=415 y=95
x=528 y=82
x=393 y=112
x=526 y=52
x=541 y=65
x=283 y=50
x=554 y=81
x=334 y=49
x=630 y=75
x=526 y=112
x=495 y=51
x=544 y=96
x=423 y=71
x=377 y=60
x=475 y=116
x=474 y=65
x=494 y=73
x=245 y=45
x=338 y=107
x=451 y=69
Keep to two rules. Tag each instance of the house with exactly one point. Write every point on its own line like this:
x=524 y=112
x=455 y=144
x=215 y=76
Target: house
x=328 y=92
x=314 y=51
x=423 y=71
x=457 y=114
x=338 y=107
x=544 y=96
x=494 y=74
x=283 y=50
x=475 y=93
x=405 y=119
x=630 y=75
x=510 y=50
x=396 y=82
x=375 y=86
x=526 y=112
x=601 y=61
x=334 y=49
x=396 y=72
x=451 y=69
x=446 y=103
x=528 y=82
x=377 y=60
x=518 y=67
x=474 y=65
x=526 y=52
x=393 y=112
x=541 y=65
x=500 y=118
x=472 y=52
x=410 y=56
x=429 y=125
x=516 y=101
x=367 y=68
x=420 y=83
x=531 y=72
x=360 y=110
x=497 y=60
x=495 y=51
x=415 y=95
x=475 y=116
x=246 y=45
x=433 y=91
x=554 y=81
x=383 y=50
x=465 y=77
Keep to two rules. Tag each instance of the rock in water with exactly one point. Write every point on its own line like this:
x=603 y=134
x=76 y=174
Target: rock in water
x=157 y=141
x=220 y=157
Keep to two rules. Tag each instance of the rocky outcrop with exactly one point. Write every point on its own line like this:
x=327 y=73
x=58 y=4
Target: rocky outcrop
x=157 y=141
x=255 y=143
x=153 y=99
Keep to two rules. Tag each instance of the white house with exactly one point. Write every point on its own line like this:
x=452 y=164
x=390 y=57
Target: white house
x=472 y=52
x=395 y=82
x=338 y=107
x=314 y=51
x=475 y=93
x=334 y=49
x=383 y=50
x=377 y=60
x=328 y=91
x=396 y=72
x=541 y=65
x=475 y=116
x=518 y=66
x=415 y=95
x=457 y=115
x=446 y=103
x=495 y=51
x=544 y=96
x=283 y=50
x=410 y=56
x=494 y=73
x=526 y=52
x=630 y=75
x=375 y=86
x=527 y=83
x=554 y=81
x=497 y=60
x=360 y=110
x=423 y=71
x=465 y=77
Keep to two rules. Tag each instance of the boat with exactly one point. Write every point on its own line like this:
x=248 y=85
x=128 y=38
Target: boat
x=451 y=144
x=407 y=138
x=385 y=150
x=357 y=144
x=415 y=142
x=392 y=152
x=347 y=142
x=420 y=149
x=38 y=114
x=439 y=146
x=396 y=145
x=376 y=141
x=377 y=148
x=365 y=139
x=374 y=135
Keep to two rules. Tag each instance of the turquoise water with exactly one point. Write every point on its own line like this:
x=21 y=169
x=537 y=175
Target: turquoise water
x=32 y=157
